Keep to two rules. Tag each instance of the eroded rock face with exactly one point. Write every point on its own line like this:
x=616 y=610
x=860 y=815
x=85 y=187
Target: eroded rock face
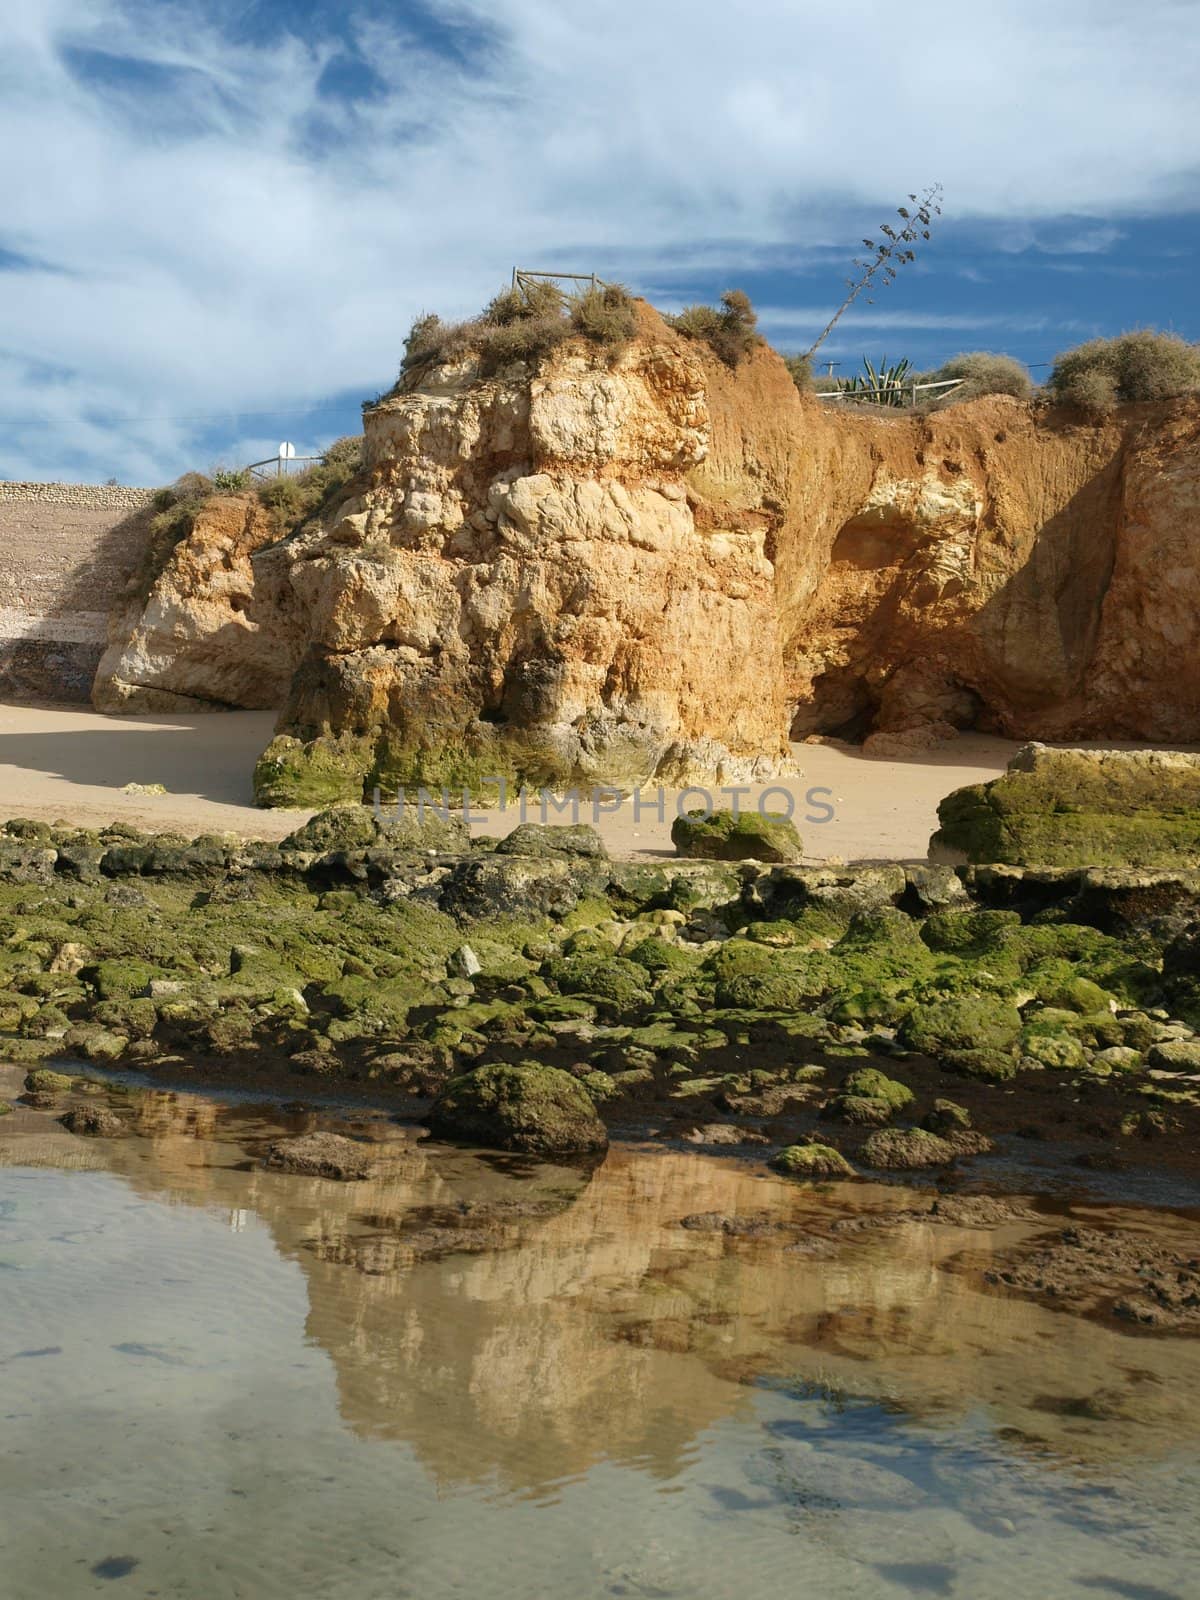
x=531 y=588
x=996 y=565
x=213 y=632
x=644 y=566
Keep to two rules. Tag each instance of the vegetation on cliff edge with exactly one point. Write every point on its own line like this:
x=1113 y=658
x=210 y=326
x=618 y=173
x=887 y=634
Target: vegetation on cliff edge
x=524 y=323
x=1143 y=365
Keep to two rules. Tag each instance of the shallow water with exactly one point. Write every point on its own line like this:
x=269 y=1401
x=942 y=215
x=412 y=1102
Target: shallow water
x=486 y=1377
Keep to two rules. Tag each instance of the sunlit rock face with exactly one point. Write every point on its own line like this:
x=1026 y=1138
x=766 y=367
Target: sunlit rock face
x=532 y=586
x=208 y=630
x=623 y=567
x=990 y=566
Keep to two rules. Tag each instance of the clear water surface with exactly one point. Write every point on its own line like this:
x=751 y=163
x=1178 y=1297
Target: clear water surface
x=484 y=1377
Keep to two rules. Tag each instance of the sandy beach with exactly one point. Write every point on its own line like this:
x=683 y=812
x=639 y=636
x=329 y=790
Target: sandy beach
x=72 y=764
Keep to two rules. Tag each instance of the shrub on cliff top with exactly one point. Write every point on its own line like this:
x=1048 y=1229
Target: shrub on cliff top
x=301 y=495
x=1143 y=365
x=801 y=370
x=606 y=314
x=729 y=332
x=523 y=324
x=537 y=298
x=190 y=489
x=983 y=372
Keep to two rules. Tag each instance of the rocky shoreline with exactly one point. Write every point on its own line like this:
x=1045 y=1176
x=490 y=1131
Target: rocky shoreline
x=901 y=1017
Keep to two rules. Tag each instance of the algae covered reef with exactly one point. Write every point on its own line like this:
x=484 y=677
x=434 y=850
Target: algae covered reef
x=533 y=994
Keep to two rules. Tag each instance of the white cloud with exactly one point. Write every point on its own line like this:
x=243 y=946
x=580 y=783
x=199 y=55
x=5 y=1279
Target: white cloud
x=225 y=238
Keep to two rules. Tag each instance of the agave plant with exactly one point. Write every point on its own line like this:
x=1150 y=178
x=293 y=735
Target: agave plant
x=882 y=385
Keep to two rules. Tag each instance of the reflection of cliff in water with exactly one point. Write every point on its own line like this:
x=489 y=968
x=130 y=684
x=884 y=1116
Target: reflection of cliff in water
x=519 y=1322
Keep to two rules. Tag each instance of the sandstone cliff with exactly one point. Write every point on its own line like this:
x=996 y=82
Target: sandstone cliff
x=213 y=630
x=1015 y=569
x=531 y=586
x=646 y=565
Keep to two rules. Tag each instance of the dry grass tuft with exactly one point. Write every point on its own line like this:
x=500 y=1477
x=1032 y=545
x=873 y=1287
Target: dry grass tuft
x=730 y=332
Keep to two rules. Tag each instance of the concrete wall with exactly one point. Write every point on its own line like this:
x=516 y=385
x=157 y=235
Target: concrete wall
x=67 y=552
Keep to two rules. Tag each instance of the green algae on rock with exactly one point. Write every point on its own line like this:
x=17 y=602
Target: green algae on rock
x=44 y=1081
x=946 y=1117
x=741 y=836
x=814 y=1161
x=353 y=957
x=876 y=1085
x=966 y=1022
x=868 y=1097
x=319 y=772
x=529 y=1107
x=1079 y=808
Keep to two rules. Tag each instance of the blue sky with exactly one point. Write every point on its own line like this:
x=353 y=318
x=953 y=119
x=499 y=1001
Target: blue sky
x=220 y=217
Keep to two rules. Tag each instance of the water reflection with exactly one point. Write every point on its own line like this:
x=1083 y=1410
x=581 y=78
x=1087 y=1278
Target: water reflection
x=517 y=1323
x=488 y=1377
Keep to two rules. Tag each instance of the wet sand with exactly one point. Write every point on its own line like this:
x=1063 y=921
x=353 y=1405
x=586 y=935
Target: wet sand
x=72 y=764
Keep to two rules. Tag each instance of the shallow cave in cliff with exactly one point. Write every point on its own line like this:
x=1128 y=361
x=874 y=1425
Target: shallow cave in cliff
x=841 y=705
x=879 y=536
x=914 y=696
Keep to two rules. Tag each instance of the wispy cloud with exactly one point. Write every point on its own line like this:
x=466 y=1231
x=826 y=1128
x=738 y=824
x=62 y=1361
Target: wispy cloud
x=194 y=224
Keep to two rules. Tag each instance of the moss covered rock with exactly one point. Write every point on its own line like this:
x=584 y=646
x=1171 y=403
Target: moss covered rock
x=862 y=1110
x=526 y=887
x=946 y=1117
x=966 y=1022
x=749 y=836
x=320 y=772
x=1075 y=994
x=984 y=1066
x=1060 y=1053
x=527 y=1107
x=1078 y=808
x=621 y=983
x=969 y=934
x=876 y=1085
x=42 y=1080
x=659 y=956
x=94 y=1042
x=767 y=991
x=814 y=1161
x=868 y=1098
x=120 y=977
